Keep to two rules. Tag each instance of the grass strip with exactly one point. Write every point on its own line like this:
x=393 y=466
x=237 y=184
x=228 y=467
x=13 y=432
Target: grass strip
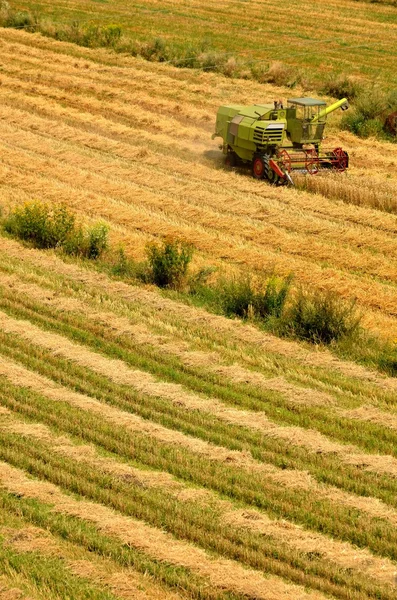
x=86 y=535
x=326 y=468
x=49 y=575
x=372 y=437
x=197 y=523
x=245 y=486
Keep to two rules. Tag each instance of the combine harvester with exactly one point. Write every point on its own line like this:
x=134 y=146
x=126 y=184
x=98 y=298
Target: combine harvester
x=276 y=141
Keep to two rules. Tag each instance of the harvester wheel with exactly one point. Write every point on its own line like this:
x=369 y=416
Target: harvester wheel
x=260 y=167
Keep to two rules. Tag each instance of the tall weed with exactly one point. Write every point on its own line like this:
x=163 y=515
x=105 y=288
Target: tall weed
x=45 y=226
x=320 y=318
x=169 y=263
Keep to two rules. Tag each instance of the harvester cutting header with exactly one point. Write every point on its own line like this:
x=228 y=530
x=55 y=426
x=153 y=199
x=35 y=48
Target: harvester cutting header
x=276 y=140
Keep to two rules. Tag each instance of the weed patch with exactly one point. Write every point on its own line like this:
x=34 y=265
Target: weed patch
x=370 y=113
x=45 y=226
x=320 y=318
x=239 y=297
x=168 y=263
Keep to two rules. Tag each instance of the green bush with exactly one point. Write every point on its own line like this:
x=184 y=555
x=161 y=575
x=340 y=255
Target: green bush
x=369 y=113
x=271 y=301
x=46 y=226
x=19 y=19
x=40 y=224
x=238 y=297
x=321 y=318
x=371 y=103
x=97 y=240
x=169 y=262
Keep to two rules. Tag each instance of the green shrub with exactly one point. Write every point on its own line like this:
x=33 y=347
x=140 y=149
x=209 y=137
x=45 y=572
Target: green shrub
x=321 y=318
x=271 y=301
x=97 y=240
x=238 y=297
x=40 y=224
x=123 y=266
x=155 y=50
x=353 y=121
x=371 y=103
x=169 y=262
x=46 y=226
x=20 y=19
x=371 y=108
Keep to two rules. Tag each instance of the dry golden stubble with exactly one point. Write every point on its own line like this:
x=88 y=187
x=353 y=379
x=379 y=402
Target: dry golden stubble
x=370 y=293
x=125 y=583
x=117 y=180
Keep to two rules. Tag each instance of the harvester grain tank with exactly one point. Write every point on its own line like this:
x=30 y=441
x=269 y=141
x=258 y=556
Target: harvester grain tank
x=276 y=141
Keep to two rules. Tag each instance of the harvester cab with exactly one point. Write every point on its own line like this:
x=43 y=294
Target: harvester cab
x=277 y=140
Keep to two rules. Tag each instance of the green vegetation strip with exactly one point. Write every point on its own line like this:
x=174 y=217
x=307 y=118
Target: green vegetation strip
x=347 y=390
x=370 y=436
x=326 y=468
x=192 y=521
x=86 y=535
x=246 y=487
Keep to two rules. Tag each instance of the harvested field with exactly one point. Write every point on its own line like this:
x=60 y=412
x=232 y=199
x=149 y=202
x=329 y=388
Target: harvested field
x=148 y=448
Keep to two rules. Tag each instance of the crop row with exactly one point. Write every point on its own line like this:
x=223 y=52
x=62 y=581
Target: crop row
x=249 y=485
x=369 y=436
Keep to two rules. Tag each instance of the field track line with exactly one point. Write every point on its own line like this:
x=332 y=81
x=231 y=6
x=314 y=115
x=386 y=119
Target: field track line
x=223 y=573
x=342 y=553
x=193 y=317
x=148 y=384
x=21 y=376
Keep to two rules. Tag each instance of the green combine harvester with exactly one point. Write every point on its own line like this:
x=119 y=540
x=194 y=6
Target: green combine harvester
x=276 y=141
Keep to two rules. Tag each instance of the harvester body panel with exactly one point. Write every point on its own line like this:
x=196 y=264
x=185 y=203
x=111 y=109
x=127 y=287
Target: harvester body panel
x=275 y=139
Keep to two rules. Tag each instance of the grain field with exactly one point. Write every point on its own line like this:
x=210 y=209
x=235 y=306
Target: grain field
x=150 y=449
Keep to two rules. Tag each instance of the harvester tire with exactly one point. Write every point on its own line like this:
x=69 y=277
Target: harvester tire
x=260 y=167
